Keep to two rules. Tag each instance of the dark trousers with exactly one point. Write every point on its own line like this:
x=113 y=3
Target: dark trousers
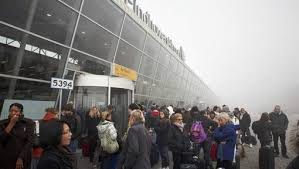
x=177 y=158
x=163 y=149
x=206 y=146
x=225 y=164
x=244 y=133
x=282 y=142
x=92 y=147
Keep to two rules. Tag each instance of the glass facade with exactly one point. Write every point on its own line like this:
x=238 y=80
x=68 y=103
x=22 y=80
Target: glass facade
x=40 y=39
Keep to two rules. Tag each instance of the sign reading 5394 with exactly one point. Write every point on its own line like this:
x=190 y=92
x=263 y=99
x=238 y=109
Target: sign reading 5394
x=62 y=83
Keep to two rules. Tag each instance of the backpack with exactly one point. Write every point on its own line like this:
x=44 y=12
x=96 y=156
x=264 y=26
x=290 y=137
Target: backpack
x=197 y=132
x=255 y=127
x=108 y=145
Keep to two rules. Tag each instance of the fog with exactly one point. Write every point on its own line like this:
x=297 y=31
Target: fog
x=246 y=51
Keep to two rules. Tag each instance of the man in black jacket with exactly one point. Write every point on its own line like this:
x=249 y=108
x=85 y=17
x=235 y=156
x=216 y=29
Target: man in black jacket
x=280 y=124
x=245 y=122
x=16 y=137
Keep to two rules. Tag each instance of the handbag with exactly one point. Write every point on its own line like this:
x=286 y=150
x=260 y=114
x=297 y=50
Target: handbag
x=110 y=146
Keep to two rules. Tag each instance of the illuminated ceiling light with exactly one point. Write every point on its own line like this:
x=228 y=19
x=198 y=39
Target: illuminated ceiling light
x=49 y=15
x=83 y=32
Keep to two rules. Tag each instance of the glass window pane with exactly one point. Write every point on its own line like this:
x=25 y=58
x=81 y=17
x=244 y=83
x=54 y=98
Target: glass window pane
x=143 y=85
x=152 y=47
x=28 y=56
x=34 y=96
x=104 y=12
x=141 y=100
x=157 y=88
x=164 y=57
x=81 y=62
x=73 y=3
x=50 y=19
x=148 y=67
x=94 y=40
x=127 y=56
x=161 y=73
x=133 y=33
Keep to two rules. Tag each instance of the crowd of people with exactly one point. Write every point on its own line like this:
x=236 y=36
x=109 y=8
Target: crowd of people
x=51 y=143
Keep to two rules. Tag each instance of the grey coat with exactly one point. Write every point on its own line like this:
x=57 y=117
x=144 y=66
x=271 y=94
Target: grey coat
x=137 y=148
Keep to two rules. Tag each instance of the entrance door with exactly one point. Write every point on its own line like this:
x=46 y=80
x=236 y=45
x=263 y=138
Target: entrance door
x=120 y=99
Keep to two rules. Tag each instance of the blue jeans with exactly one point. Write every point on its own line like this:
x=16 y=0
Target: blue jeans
x=73 y=145
x=34 y=163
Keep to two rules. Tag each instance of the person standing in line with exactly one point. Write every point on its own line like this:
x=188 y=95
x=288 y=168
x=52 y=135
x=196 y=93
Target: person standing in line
x=138 y=143
x=51 y=114
x=225 y=136
x=176 y=139
x=92 y=120
x=294 y=164
x=162 y=130
x=73 y=119
x=280 y=124
x=16 y=137
x=245 y=122
x=55 y=136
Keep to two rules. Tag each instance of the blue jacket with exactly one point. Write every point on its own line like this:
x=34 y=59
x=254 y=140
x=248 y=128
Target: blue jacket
x=226 y=138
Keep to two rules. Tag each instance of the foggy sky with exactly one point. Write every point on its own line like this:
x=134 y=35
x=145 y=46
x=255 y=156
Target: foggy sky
x=246 y=51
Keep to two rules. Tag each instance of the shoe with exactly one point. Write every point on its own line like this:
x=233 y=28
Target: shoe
x=250 y=145
x=285 y=156
x=276 y=154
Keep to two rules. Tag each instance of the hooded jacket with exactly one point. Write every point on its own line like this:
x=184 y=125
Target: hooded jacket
x=16 y=144
x=107 y=126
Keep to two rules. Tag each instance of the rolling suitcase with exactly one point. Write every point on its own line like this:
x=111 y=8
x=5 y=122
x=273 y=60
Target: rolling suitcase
x=266 y=158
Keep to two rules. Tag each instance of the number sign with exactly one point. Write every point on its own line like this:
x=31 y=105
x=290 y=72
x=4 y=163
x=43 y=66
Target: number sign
x=62 y=83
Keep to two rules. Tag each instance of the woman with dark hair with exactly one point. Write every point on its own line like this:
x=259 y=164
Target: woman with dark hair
x=55 y=136
x=294 y=140
x=263 y=130
x=16 y=137
x=162 y=130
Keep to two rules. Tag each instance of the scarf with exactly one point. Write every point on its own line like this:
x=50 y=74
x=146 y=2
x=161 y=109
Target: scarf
x=180 y=126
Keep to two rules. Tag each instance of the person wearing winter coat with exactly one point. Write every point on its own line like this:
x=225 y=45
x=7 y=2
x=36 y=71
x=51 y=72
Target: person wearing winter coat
x=263 y=130
x=51 y=114
x=106 y=127
x=280 y=124
x=55 y=136
x=177 y=140
x=294 y=140
x=137 y=147
x=73 y=119
x=162 y=130
x=92 y=120
x=16 y=137
x=225 y=136
x=245 y=122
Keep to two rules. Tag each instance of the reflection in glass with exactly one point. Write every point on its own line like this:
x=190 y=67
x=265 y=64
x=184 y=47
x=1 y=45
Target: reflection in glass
x=29 y=91
x=81 y=62
x=127 y=56
x=143 y=85
x=152 y=47
x=133 y=33
x=94 y=40
x=47 y=18
x=148 y=67
x=104 y=12
x=25 y=55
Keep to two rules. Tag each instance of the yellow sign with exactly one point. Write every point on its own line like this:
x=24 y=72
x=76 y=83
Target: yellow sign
x=121 y=71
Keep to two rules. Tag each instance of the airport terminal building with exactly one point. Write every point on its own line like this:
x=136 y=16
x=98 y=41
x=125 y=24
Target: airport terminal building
x=111 y=49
